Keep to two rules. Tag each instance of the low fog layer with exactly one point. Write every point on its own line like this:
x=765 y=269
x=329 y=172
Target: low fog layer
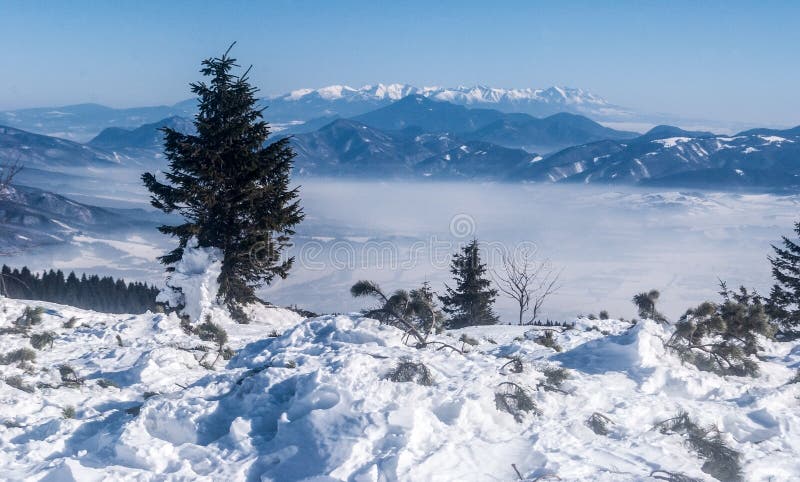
x=610 y=242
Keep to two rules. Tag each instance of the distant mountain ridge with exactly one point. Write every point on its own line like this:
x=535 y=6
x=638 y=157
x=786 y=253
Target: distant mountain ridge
x=82 y=122
x=45 y=152
x=761 y=159
x=420 y=137
x=31 y=217
x=147 y=136
x=528 y=100
x=349 y=148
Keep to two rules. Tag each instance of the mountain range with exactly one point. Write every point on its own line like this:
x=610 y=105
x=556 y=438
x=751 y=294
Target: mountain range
x=31 y=217
x=45 y=152
x=420 y=137
x=393 y=141
x=146 y=136
x=82 y=122
x=762 y=158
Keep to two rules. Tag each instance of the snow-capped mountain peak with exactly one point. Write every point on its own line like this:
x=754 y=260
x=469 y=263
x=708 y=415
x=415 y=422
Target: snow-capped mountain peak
x=478 y=94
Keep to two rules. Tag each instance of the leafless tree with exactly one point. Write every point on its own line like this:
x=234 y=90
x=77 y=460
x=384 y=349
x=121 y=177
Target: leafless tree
x=7 y=172
x=528 y=282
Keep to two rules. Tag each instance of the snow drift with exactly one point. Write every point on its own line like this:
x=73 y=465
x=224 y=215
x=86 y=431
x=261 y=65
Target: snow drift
x=311 y=400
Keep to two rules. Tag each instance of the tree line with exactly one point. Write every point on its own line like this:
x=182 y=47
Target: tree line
x=90 y=292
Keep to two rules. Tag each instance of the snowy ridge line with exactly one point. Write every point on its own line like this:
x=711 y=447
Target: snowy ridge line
x=460 y=94
x=315 y=402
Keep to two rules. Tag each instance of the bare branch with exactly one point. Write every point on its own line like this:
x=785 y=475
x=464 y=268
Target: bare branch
x=7 y=172
x=528 y=282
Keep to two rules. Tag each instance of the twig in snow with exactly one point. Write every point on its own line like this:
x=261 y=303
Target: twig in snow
x=672 y=476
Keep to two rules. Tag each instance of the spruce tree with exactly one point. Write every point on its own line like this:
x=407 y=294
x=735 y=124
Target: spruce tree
x=470 y=302
x=646 y=303
x=231 y=189
x=784 y=301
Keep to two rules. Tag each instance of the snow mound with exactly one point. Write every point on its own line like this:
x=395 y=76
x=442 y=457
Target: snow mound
x=315 y=403
x=193 y=284
x=193 y=288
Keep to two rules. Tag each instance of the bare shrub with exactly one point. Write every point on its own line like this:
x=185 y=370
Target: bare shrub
x=68 y=412
x=69 y=376
x=29 y=317
x=186 y=324
x=722 y=462
x=17 y=382
x=407 y=371
x=41 y=340
x=599 y=423
x=672 y=476
x=548 y=339
x=467 y=340
x=210 y=331
x=7 y=172
x=554 y=377
x=69 y=324
x=20 y=355
x=106 y=383
x=514 y=399
x=514 y=365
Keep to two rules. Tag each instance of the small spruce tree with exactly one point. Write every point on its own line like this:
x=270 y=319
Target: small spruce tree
x=231 y=189
x=470 y=302
x=428 y=314
x=723 y=337
x=646 y=303
x=414 y=312
x=783 y=304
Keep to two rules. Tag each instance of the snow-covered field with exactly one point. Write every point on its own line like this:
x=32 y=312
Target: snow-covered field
x=314 y=404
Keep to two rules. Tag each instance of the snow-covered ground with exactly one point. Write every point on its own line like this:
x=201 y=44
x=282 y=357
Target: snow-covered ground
x=314 y=404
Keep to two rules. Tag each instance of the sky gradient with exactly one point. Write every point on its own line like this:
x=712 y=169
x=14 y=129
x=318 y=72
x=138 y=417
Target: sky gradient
x=724 y=60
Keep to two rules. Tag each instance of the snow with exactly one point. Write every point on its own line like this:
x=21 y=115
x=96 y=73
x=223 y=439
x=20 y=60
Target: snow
x=59 y=223
x=460 y=94
x=193 y=284
x=299 y=94
x=672 y=141
x=135 y=246
x=774 y=139
x=312 y=401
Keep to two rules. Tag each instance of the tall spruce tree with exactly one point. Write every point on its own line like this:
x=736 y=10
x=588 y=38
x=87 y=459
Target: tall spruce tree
x=783 y=304
x=231 y=189
x=470 y=302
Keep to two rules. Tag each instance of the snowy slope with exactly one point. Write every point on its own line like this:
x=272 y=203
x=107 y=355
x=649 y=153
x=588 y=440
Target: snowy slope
x=310 y=400
x=314 y=404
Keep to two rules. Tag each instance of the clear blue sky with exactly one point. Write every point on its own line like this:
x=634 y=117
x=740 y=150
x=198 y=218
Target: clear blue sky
x=726 y=60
